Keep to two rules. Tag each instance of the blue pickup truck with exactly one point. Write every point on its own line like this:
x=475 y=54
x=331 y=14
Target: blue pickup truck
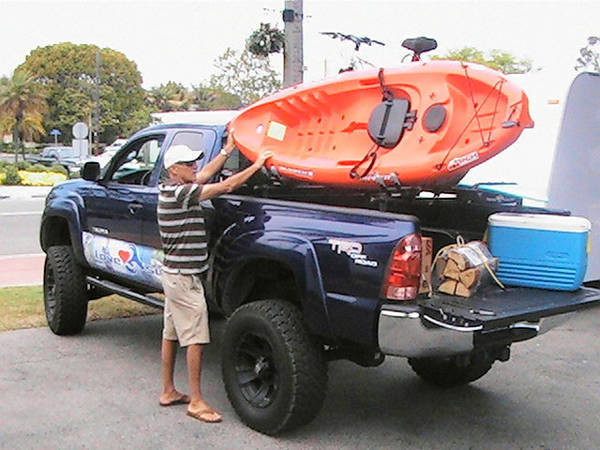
x=305 y=274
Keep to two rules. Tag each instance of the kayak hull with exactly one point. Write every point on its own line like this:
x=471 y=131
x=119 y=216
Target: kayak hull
x=463 y=113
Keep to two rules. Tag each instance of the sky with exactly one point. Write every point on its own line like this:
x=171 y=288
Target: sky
x=180 y=40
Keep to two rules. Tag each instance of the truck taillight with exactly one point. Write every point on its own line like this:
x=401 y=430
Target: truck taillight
x=404 y=270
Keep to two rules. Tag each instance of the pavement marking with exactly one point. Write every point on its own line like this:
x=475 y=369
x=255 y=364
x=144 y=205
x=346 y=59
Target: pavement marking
x=24 y=255
x=24 y=213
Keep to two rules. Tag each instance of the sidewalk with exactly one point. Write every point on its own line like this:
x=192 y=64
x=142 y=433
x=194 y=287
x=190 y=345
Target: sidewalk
x=24 y=191
x=21 y=270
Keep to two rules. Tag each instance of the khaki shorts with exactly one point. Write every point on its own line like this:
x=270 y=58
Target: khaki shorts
x=186 y=315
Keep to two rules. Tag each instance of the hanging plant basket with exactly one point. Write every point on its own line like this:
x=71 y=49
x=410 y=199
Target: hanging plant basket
x=265 y=40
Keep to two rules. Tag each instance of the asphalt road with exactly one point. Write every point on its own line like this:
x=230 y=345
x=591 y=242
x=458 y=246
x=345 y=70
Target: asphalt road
x=20 y=225
x=21 y=258
x=100 y=390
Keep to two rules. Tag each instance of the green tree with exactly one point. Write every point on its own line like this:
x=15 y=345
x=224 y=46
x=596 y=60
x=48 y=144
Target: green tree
x=21 y=107
x=589 y=56
x=68 y=74
x=496 y=59
x=245 y=75
x=169 y=97
x=206 y=98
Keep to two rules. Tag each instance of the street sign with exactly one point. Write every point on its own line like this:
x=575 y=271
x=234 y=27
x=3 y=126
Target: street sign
x=80 y=130
x=55 y=133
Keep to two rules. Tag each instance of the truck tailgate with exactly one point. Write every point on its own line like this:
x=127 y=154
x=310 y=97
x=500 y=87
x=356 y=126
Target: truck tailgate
x=496 y=308
x=445 y=325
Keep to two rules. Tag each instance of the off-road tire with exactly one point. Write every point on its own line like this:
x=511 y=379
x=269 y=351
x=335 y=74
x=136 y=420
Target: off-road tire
x=275 y=375
x=65 y=291
x=447 y=372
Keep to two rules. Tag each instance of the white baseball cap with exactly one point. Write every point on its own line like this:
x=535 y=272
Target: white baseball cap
x=181 y=154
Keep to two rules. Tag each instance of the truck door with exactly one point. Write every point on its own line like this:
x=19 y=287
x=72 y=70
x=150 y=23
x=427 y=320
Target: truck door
x=115 y=211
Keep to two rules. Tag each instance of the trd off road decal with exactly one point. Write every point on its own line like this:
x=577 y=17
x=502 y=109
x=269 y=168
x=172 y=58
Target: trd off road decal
x=133 y=261
x=353 y=249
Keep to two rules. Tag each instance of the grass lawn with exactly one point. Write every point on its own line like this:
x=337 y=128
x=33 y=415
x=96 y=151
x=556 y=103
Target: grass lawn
x=23 y=307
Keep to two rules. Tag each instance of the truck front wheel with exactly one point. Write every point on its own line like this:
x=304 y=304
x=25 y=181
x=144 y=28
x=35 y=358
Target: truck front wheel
x=452 y=371
x=65 y=291
x=275 y=375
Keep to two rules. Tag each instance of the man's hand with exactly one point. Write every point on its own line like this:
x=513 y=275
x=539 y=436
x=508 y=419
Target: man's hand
x=230 y=144
x=233 y=182
x=260 y=161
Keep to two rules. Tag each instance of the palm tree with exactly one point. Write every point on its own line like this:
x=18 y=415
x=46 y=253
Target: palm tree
x=22 y=104
x=169 y=97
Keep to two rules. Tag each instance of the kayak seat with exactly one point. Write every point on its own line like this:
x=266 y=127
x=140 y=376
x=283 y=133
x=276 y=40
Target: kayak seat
x=387 y=122
x=420 y=45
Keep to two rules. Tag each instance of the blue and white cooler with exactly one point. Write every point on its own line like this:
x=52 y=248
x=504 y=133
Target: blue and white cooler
x=540 y=250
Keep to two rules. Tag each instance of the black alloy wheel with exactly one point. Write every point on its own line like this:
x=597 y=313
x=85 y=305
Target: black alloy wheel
x=257 y=374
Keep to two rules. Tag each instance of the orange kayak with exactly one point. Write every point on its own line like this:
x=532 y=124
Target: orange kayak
x=424 y=124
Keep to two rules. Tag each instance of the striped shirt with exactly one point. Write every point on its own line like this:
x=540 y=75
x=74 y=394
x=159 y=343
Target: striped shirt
x=182 y=231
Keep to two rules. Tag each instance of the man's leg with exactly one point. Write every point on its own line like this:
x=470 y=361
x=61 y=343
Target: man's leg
x=198 y=406
x=169 y=394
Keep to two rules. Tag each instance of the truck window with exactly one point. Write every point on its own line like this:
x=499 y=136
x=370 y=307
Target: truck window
x=196 y=140
x=138 y=161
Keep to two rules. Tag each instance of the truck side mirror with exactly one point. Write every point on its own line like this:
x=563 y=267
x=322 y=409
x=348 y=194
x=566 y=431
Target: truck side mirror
x=91 y=171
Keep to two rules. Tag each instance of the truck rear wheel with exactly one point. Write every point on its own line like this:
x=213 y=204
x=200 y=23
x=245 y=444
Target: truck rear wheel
x=274 y=374
x=452 y=371
x=65 y=291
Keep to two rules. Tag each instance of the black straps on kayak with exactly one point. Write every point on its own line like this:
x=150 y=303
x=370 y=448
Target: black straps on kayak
x=388 y=97
x=386 y=125
x=478 y=107
x=372 y=155
x=385 y=91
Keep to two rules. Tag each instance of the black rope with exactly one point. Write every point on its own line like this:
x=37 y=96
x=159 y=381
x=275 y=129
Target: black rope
x=372 y=154
x=385 y=91
x=475 y=115
x=489 y=139
x=388 y=96
x=465 y=67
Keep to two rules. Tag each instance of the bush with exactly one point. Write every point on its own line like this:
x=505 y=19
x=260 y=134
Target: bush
x=37 y=168
x=59 y=169
x=23 y=165
x=11 y=176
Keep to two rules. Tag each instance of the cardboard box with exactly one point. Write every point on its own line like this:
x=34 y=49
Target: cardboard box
x=426 y=260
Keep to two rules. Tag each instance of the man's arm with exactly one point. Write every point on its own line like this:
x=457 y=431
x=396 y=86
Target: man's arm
x=233 y=182
x=209 y=170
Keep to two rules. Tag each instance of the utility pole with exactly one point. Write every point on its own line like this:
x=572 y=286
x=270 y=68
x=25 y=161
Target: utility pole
x=293 y=55
x=96 y=96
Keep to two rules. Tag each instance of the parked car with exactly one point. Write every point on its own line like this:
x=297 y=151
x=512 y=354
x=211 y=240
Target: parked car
x=109 y=151
x=103 y=158
x=115 y=146
x=62 y=155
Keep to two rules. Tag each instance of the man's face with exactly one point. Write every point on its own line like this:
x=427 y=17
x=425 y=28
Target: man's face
x=185 y=171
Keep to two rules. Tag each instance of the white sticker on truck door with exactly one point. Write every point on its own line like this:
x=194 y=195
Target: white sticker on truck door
x=353 y=249
x=136 y=262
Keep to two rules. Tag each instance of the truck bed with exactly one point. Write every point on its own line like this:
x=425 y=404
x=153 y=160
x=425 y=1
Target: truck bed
x=443 y=214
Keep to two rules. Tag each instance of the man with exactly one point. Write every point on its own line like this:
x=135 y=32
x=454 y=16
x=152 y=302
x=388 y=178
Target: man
x=181 y=224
